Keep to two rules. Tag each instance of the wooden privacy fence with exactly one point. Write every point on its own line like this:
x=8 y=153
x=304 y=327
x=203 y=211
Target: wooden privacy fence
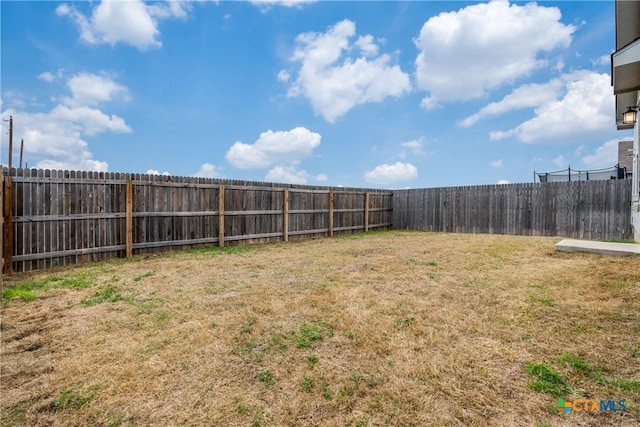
x=597 y=210
x=53 y=218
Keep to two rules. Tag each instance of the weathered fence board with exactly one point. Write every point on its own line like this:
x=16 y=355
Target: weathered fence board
x=53 y=218
x=597 y=210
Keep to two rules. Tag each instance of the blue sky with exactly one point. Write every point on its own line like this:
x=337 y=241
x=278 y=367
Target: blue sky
x=368 y=94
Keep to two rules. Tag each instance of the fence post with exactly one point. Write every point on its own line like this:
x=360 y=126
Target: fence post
x=285 y=215
x=221 y=216
x=8 y=224
x=366 y=211
x=129 y=216
x=330 y=213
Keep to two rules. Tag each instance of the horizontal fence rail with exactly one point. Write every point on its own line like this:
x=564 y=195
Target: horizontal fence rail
x=597 y=210
x=53 y=218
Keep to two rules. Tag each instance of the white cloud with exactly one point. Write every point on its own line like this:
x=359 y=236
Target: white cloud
x=321 y=177
x=157 y=172
x=170 y=9
x=415 y=144
x=496 y=163
x=265 y=4
x=367 y=45
x=335 y=82
x=465 y=54
x=92 y=89
x=207 y=170
x=503 y=182
x=605 y=156
x=89 y=121
x=415 y=147
x=287 y=174
x=602 y=60
x=526 y=96
x=586 y=106
x=561 y=161
x=386 y=173
x=52 y=142
x=429 y=103
x=56 y=139
x=274 y=147
x=47 y=77
x=284 y=76
x=130 y=22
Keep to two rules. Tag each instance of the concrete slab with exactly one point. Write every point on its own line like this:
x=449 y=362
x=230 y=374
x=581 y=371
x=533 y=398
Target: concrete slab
x=603 y=248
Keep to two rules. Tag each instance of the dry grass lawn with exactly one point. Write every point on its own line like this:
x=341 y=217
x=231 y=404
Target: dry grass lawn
x=382 y=329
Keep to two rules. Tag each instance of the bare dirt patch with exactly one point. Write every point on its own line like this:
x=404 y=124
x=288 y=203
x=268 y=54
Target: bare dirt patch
x=389 y=328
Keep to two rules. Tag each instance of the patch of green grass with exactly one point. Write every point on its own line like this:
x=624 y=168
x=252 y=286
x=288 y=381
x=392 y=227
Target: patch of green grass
x=627 y=385
x=326 y=391
x=363 y=421
x=72 y=282
x=547 y=380
x=310 y=332
x=542 y=300
x=351 y=335
x=307 y=384
x=109 y=294
x=313 y=359
x=376 y=405
x=346 y=391
x=620 y=241
x=148 y=305
x=162 y=318
x=242 y=409
x=576 y=362
x=19 y=291
x=276 y=342
x=143 y=276
x=247 y=327
x=17 y=414
x=266 y=377
x=75 y=396
x=403 y=323
x=28 y=290
x=217 y=250
x=596 y=373
x=420 y=262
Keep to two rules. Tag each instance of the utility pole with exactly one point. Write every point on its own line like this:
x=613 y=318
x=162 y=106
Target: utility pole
x=21 y=150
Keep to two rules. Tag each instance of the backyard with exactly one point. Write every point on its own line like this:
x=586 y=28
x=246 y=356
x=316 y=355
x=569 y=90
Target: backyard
x=375 y=329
